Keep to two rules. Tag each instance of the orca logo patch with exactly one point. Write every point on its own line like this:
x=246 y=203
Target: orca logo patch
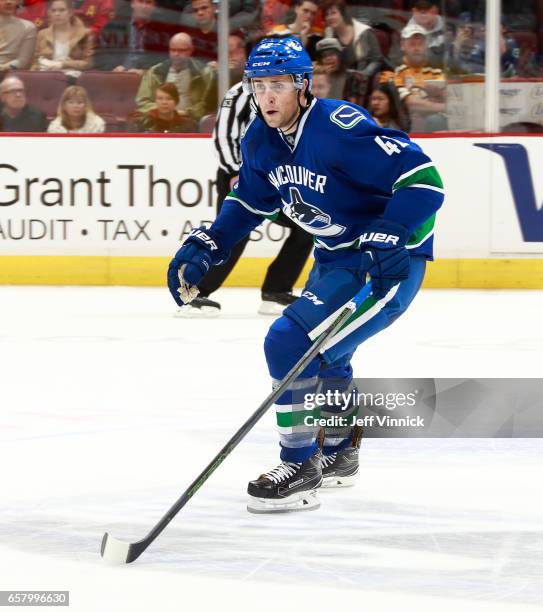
x=308 y=216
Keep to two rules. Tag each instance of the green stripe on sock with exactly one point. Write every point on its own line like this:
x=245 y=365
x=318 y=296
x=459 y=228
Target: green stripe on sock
x=292 y=419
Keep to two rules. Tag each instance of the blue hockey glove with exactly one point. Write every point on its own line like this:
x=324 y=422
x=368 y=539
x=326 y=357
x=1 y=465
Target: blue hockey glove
x=385 y=257
x=191 y=263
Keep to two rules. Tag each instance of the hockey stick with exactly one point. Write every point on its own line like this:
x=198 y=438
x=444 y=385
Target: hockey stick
x=117 y=551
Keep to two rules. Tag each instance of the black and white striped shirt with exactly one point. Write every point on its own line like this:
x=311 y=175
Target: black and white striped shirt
x=235 y=114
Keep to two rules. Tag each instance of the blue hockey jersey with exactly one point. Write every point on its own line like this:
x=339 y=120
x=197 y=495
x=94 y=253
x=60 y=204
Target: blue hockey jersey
x=341 y=173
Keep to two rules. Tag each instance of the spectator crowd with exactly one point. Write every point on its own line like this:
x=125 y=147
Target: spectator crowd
x=151 y=65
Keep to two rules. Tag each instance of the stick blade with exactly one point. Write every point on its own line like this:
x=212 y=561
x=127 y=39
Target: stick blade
x=114 y=551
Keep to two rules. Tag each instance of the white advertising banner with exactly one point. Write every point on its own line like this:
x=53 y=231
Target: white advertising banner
x=493 y=196
x=140 y=197
x=516 y=193
x=109 y=196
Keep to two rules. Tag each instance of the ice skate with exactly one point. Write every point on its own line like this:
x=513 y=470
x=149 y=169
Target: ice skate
x=289 y=487
x=274 y=303
x=340 y=469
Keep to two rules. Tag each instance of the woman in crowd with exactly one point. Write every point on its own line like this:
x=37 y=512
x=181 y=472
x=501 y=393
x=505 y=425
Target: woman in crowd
x=75 y=114
x=66 y=44
x=385 y=107
x=360 y=46
x=165 y=118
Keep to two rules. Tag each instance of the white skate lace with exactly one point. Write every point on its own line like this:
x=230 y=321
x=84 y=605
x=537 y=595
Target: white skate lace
x=328 y=460
x=282 y=471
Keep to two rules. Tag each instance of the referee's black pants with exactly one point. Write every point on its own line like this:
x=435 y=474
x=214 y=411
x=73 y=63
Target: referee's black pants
x=285 y=268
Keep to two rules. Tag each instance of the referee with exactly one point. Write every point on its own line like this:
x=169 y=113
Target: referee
x=235 y=114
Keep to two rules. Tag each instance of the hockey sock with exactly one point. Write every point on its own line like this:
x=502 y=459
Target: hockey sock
x=295 y=422
x=285 y=343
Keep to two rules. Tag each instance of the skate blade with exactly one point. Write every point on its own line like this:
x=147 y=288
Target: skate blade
x=188 y=312
x=339 y=482
x=271 y=309
x=306 y=500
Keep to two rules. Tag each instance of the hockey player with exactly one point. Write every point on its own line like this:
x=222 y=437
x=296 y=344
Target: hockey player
x=369 y=197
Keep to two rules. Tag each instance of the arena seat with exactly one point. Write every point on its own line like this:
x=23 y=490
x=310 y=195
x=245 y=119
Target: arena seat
x=391 y=14
x=207 y=123
x=43 y=89
x=113 y=96
x=384 y=39
x=528 y=43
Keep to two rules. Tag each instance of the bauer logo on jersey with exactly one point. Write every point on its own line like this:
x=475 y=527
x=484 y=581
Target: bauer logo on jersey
x=308 y=216
x=346 y=116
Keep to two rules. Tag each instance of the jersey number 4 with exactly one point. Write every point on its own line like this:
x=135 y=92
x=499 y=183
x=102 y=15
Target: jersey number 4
x=390 y=145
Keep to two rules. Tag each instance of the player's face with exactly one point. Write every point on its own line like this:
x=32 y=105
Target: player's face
x=278 y=100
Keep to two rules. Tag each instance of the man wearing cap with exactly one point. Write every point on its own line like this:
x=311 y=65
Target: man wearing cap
x=421 y=87
x=426 y=15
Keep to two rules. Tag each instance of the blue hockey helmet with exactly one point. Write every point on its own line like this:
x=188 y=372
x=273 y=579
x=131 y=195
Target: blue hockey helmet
x=275 y=56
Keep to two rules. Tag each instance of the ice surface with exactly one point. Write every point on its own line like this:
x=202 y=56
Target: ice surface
x=111 y=406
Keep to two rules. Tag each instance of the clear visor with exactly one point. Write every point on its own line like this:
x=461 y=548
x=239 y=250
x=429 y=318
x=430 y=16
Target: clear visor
x=260 y=86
